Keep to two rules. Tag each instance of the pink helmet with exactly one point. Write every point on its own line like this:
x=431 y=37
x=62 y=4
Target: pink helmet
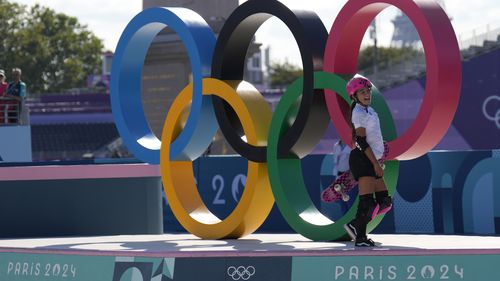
x=357 y=83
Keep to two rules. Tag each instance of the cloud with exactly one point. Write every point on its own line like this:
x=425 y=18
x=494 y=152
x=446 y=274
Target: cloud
x=466 y=18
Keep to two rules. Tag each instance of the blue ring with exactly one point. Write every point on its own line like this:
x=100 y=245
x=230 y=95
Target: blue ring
x=126 y=76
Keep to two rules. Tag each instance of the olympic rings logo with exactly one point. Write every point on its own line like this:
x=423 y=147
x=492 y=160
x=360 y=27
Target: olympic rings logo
x=241 y=272
x=495 y=118
x=275 y=141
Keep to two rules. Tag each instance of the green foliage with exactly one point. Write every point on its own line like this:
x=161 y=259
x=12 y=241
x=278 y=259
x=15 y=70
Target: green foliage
x=54 y=51
x=283 y=74
x=385 y=56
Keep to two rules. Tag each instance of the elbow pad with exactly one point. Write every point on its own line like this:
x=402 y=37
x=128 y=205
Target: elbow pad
x=361 y=143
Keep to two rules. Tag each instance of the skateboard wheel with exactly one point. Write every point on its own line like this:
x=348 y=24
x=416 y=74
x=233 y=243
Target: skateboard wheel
x=346 y=197
x=337 y=187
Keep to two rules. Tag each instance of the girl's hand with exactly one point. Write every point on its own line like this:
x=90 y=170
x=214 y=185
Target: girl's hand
x=378 y=170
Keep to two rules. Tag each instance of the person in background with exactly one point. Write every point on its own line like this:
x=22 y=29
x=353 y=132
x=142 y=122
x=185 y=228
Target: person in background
x=3 y=89
x=341 y=157
x=17 y=91
x=3 y=85
x=341 y=153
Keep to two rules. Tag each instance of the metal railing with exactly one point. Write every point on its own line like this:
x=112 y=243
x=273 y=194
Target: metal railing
x=10 y=111
x=476 y=41
x=478 y=36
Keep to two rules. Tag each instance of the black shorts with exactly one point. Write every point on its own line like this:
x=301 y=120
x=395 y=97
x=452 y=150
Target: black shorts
x=360 y=165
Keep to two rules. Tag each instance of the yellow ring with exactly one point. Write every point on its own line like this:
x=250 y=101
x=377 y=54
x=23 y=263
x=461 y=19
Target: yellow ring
x=178 y=178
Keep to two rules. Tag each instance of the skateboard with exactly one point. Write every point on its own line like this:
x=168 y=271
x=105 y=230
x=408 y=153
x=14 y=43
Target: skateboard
x=344 y=183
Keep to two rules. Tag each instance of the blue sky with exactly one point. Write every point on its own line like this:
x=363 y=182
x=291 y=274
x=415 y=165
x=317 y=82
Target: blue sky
x=107 y=19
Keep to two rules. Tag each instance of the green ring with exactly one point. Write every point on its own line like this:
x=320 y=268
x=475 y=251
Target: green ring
x=285 y=174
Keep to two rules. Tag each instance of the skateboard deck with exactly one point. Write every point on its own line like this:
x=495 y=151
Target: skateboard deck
x=344 y=183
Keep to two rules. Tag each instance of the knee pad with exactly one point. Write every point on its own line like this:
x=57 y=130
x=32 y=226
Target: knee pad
x=385 y=205
x=384 y=200
x=367 y=210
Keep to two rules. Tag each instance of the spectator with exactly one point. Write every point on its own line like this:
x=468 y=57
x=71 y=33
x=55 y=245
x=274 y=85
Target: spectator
x=341 y=158
x=3 y=85
x=17 y=91
x=341 y=153
x=3 y=89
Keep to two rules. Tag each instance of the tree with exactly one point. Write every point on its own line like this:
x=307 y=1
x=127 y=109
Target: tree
x=283 y=74
x=386 y=56
x=54 y=51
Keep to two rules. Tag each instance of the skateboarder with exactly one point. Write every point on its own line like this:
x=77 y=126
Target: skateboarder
x=364 y=161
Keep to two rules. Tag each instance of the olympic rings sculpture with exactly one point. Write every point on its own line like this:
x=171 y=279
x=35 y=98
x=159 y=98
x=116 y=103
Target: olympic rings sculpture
x=241 y=272
x=277 y=141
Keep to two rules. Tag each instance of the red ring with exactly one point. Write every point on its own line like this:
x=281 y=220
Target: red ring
x=442 y=56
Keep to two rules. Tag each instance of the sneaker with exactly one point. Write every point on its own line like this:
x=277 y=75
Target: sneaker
x=352 y=229
x=364 y=242
x=385 y=205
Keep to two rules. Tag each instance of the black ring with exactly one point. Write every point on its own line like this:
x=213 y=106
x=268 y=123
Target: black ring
x=229 y=62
